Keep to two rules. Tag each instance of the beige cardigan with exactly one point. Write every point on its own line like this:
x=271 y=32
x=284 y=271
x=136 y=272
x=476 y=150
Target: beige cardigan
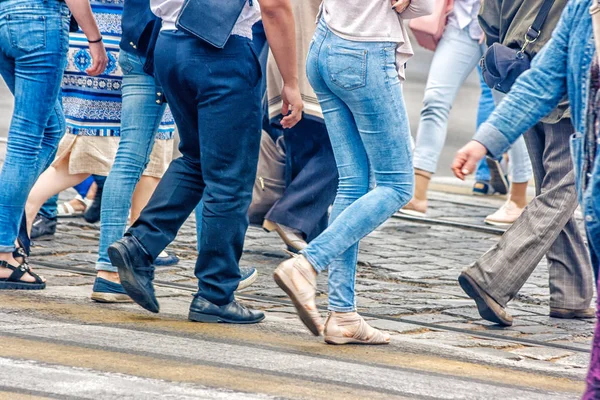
x=305 y=13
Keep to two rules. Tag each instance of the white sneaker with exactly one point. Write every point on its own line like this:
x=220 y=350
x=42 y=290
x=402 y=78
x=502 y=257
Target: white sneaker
x=506 y=215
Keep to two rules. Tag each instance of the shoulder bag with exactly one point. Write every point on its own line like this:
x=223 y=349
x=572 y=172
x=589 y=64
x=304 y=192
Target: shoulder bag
x=501 y=65
x=210 y=20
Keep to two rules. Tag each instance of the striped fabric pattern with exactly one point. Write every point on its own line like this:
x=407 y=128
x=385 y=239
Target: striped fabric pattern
x=92 y=105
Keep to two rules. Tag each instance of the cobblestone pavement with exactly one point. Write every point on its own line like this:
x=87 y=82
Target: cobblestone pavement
x=407 y=284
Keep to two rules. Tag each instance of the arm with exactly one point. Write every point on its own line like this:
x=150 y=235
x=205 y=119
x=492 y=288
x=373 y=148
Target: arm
x=417 y=8
x=278 y=21
x=409 y=9
x=489 y=20
x=82 y=12
x=536 y=93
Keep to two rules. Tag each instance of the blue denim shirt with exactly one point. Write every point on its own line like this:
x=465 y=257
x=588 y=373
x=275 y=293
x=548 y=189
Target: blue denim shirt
x=562 y=67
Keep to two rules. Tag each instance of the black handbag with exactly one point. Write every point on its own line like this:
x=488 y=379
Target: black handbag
x=501 y=65
x=210 y=20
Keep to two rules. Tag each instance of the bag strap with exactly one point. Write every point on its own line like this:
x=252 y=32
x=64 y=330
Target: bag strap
x=533 y=33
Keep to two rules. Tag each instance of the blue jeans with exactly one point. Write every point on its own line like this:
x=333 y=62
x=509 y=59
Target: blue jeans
x=361 y=96
x=204 y=87
x=455 y=58
x=33 y=45
x=485 y=109
x=141 y=116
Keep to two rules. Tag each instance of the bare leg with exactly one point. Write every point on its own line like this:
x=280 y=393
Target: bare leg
x=143 y=191
x=53 y=181
x=518 y=194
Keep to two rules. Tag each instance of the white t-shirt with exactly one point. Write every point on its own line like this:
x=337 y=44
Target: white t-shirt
x=465 y=14
x=168 y=11
x=374 y=21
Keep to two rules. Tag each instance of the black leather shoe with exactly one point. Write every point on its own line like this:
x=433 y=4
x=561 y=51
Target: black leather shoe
x=203 y=310
x=135 y=270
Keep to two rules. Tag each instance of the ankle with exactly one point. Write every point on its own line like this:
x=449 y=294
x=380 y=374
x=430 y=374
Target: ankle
x=109 y=276
x=308 y=266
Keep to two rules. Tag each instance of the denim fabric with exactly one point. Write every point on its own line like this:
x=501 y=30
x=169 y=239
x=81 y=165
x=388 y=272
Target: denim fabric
x=485 y=108
x=562 y=67
x=204 y=87
x=141 y=116
x=33 y=46
x=361 y=96
x=455 y=58
x=520 y=170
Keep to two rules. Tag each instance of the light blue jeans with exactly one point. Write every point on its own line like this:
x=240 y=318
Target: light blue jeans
x=34 y=38
x=484 y=110
x=140 y=120
x=361 y=96
x=455 y=58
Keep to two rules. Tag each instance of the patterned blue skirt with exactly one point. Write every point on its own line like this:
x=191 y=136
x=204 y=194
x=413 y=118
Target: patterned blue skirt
x=92 y=104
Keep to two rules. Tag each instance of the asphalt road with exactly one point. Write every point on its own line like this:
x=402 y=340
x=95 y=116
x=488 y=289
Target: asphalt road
x=462 y=117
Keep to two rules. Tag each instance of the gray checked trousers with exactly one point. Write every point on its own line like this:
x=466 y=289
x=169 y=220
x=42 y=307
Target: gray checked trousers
x=546 y=227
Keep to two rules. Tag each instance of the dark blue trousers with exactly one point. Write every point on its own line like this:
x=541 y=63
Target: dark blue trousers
x=215 y=98
x=311 y=175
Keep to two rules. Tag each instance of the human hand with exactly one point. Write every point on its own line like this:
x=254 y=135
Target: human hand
x=292 y=101
x=99 y=59
x=400 y=5
x=466 y=159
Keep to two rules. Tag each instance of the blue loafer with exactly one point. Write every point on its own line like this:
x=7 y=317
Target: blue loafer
x=169 y=260
x=249 y=276
x=105 y=291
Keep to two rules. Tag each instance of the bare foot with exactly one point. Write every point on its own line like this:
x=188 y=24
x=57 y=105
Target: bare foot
x=6 y=272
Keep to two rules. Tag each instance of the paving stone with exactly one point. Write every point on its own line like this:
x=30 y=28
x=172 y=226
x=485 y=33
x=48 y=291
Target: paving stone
x=542 y=353
x=433 y=318
x=577 y=360
x=495 y=353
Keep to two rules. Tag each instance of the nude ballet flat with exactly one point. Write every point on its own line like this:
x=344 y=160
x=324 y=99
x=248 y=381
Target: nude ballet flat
x=351 y=328
x=297 y=278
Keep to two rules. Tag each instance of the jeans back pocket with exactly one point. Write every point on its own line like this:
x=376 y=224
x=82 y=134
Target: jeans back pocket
x=27 y=32
x=347 y=67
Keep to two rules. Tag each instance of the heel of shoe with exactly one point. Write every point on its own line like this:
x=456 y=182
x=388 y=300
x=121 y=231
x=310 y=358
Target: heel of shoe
x=269 y=226
x=200 y=317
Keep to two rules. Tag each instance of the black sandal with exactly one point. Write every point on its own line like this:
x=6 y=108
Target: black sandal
x=14 y=282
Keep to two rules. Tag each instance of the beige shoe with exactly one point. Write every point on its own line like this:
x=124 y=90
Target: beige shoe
x=415 y=208
x=586 y=313
x=351 y=328
x=298 y=279
x=505 y=216
x=291 y=237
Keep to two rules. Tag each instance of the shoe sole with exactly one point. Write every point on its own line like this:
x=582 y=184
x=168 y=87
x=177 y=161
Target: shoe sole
x=117 y=253
x=343 y=340
x=110 y=298
x=248 y=281
x=43 y=238
x=412 y=213
x=285 y=283
x=497 y=179
x=498 y=224
x=485 y=311
x=22 y=286
x=570 y=315
x=214 y=319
